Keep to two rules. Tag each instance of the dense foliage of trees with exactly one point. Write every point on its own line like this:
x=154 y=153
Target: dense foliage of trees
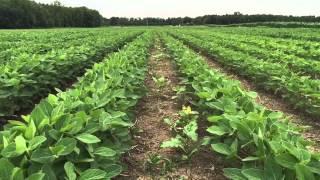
x=29 y=14
x=210 y=19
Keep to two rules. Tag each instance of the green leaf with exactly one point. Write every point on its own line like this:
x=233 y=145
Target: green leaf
x=43 y=156
x=273 y=171
x=314 y=167
x=275 y=115
x=41 y=111
x=88 y=138
x=234 y=174
x=105 y=152
x=30 y=131
x=10 y=151
x=252 y=94
x=49 y=172
x=222 y=149
x=286 y=160
x=303 y=172
x=172 y=143
x=67 y=144
x=214 y=118
x=17 y=174
x=191 y=130
x=217 y=130
x=253 y=174
x=250 y=158
x=21 y=144
x=36 y=142
x=92 y=174
x=70 y=171
x=6 y=169
x=36 y=176
x=113 y=170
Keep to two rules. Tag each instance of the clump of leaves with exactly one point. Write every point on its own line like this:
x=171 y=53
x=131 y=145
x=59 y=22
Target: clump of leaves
x=160 y=81
x=185 y=128
x=158 y=164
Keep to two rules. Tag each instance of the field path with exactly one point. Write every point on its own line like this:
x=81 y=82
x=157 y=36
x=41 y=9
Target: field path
x=152 y=131
x=274 y=103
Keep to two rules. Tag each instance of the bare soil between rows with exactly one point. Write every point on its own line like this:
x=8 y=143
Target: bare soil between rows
x=152 y=131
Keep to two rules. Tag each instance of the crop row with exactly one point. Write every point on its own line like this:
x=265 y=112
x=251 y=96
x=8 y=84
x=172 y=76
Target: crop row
x=296 y=64
x=45 y=44
x=80 y=133
x=265 y=144
x=299 y=48
x=27 y=41
x=301 y=92
x=304 y=34
x=25 y=80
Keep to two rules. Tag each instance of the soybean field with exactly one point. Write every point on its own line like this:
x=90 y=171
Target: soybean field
x=196 y=102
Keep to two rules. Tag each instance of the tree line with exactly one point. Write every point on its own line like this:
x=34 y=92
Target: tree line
x=228 y=19
x=29 y=14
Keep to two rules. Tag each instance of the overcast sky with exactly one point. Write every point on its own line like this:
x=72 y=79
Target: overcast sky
x=192 y=8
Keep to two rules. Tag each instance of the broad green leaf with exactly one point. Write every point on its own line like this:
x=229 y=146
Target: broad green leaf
x=43 y=156
x=36 y=142
x=286 y=160
x=252 y=94
x=52 y=99
x=30 y=131
x=49 y=172
x=253 y=174
x=41 y=111
x=214 y=118
x=6 y=169
x=314 y=167
x=191 y=130
x=275 y=115
x=21 y=144
x=172 y=143
x=67 y=144
x=93 y=174
x=70 y=171
x=17 y=174
x=234 y=174
x=113 y=170
x=36 y=176
x=273 y=171
x=303 y=172
x=10 y=151
x=216 y=130
x=88 y=138
x=222 y=148
x=105 y=152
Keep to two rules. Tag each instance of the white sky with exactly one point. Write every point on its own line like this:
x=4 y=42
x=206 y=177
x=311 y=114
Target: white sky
x=192 y=8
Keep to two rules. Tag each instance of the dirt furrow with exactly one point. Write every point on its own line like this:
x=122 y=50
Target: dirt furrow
x=151 y=131
x=273 y=102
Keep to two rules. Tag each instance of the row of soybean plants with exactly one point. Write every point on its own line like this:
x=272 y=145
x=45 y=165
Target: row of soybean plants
x=40 y=42
x=301 y=48
x=27 y=79
x=262 y=142
x=263 y=52
x=299 y=91
x=306 y=34
x=80 y=133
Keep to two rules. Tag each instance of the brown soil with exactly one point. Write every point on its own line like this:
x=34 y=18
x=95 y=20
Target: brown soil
x=152 y=131
x=274 y=103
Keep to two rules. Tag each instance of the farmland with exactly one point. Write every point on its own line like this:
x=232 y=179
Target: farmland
x=163 y=102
